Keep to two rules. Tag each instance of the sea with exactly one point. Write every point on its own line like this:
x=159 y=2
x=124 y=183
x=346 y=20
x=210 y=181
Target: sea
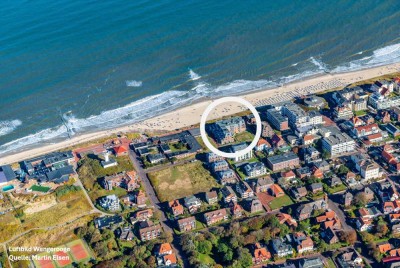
x=69 y=67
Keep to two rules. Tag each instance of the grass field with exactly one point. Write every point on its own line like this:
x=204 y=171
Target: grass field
x=280 y=202
x=180 y=181
x=38 y=188
x=244 y=136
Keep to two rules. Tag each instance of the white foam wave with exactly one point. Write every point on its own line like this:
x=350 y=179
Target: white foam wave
x=193 y=76
x=6 y=127
x=133 y=83
x=317 y=62
x=382 y=56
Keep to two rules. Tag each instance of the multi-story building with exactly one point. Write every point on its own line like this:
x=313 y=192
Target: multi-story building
x=110 y=202
x=215 y=216
x=228 y=194
x=127 y=180
x=219 y=166
x=244 y=190
x=279 y=162
x=304 y=211
x=223 y=131
x=380 y=102
x=262 y=185
x=281 y=248
x=336 y=142
x=213 y=157
x=277 y=120
x=239 y=147
x=192 y=203
x=226 y=176
x=343 y=111
x=149 y=231
x=362 y=131
x=267 y=131
x=187 y=224
x=255 y=169
x=367 y=168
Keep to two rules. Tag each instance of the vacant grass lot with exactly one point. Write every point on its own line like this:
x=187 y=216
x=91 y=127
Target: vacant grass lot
x=180 y=181
x=280 y=202
x=244 y=136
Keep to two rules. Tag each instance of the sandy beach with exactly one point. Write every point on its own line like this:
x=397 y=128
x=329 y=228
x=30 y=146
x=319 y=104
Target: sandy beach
x=191 y=115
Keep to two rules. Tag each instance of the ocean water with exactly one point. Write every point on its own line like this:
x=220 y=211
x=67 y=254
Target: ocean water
x=68 y=67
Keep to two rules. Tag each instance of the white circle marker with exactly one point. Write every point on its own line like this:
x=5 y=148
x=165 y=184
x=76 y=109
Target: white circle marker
x=204 y=120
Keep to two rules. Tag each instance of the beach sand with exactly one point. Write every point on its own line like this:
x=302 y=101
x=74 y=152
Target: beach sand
x=191 y=115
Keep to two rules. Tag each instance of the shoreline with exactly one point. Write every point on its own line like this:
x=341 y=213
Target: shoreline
x=190 y=115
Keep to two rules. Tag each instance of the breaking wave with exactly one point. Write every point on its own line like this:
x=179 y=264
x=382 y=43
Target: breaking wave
x=7 y=127
x=193 y=76
x=133 y=83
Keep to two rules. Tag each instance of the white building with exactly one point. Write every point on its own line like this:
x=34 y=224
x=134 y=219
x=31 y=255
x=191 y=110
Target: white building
x=110 y=202
x=336 y=142
x=238 y=147
x=367 y=168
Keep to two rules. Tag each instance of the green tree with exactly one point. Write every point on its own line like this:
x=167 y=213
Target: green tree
x=204 y=247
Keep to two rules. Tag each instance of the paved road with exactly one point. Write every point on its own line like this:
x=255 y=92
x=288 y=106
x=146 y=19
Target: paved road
x=156 y=202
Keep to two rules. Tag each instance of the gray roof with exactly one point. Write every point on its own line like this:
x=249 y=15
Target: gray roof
x=282 y=158
x=8 y=172
x=238 y=147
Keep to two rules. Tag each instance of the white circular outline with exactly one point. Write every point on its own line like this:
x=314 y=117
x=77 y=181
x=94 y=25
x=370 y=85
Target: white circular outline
x=203 y=122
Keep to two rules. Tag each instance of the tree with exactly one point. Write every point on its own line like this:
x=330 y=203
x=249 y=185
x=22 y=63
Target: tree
x=349 y=237
x=343 y=170
x=360 y=199
x=244 y=257
x=382 y=229
x=204 y=247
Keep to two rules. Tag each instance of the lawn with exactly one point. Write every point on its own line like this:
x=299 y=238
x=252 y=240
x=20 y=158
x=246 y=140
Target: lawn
x=180 y=181
x=338 y=188
x=360 y=113
x=280 y=202
x=244 y=136
x=206 y=259
x=38 y=188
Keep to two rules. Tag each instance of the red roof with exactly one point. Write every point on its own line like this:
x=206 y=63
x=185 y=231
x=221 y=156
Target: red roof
x=120 y=150
x=366 y=128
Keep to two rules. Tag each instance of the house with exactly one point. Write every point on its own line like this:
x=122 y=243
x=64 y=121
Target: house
x=260 y=254
x=288 y=175
x=143 y=215
x=149 y=231
x=236 y=209
x=276 y=190
x=262 y=145
x=267 y=131
x=244 y=190
x=299 y=192
x=261 y=185
x=393 y=130
x=109 y=222
x=347 y=199
x=219 y=165
x=187 y=224
x=314 y=262
x=286 y=218
x=366 y=130
x=163 y=249
x=334 y=181
x=304 y=211
x=110 y=202
x=215 y=216
x=127 y=180
x=141 y=198
x=281 y=248
x=255 y=169
x=156 y=158
x=368 y=169
x=369 y=194
x=192 y=203
x=239 y=147
x=120 y=151
x=7 y=175
x=364 y=224
x=212 y=197
x=316 y=187
x=176 y=207
x=277 y=141
x=226 y=176
x=283 y=161
x=349 y=258
x=169 y=260
x=304 y=243
x=126 y=234
x=228 y=195
x=255 y=205
x=384 y=247
x=329 y=219
x=213 y=157
x=330 y=236
x=303 y=172
x=391 y=206
x=317 y=172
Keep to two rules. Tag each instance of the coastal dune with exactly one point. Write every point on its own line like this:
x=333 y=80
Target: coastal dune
x=190 y=115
